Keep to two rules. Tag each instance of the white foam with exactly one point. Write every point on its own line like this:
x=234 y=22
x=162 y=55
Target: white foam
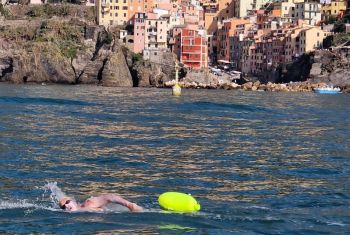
x=259 y=207
x=23 y=204
x=56 y=192
x=334 y=223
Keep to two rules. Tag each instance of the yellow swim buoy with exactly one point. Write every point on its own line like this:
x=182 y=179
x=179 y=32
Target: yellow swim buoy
x=179 y=202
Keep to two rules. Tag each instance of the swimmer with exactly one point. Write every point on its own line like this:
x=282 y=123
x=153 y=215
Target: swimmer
x=97 y=203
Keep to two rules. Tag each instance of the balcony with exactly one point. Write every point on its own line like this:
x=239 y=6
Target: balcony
x=211 y=11
x=189 y=52
x=152 y=40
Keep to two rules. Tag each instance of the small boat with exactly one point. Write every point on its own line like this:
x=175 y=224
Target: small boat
x=327 y=90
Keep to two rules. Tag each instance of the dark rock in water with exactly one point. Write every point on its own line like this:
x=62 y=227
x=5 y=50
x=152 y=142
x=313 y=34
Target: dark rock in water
x=6 y=67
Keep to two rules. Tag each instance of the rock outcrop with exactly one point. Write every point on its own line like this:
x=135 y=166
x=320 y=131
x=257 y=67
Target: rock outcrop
x=146 y=73
x=331 y=67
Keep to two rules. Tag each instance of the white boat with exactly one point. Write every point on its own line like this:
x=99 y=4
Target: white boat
x=327 y=90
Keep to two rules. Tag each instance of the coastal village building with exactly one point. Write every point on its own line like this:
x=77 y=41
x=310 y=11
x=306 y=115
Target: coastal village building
x=194 y=48
x=242 y=7
x=294 y=10
x=268 y=41
x=333 y=8
x=215 y=12
x=134 y=6
x=155 y=37
x=139 y=32
x=112 y=12
x=309 y=12
x=311 y=39
x=249 y=35
x=285 y=9
x=230 y=28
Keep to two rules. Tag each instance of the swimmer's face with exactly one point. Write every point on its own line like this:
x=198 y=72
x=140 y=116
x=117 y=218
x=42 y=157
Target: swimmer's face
x=68 y=204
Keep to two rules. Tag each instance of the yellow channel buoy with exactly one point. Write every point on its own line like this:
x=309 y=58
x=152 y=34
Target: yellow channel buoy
x=179 y=202
x=176 y=90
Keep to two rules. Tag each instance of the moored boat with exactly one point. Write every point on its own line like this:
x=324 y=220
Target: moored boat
x=327 y=90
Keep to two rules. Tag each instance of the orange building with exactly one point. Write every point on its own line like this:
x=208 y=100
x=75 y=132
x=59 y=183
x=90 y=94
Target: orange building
x=215 y=12
x=228 y=30
x=193 y=48
x=149 y=5
x=135 y=6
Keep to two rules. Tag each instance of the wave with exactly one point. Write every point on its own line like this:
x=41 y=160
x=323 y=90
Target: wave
x=42 y=101
x=213 y=105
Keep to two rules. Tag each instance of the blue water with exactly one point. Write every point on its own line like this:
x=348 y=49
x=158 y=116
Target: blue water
x=258 y=162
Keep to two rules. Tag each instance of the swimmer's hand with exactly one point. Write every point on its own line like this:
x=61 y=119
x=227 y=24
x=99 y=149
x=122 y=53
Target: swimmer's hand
x=134 y=208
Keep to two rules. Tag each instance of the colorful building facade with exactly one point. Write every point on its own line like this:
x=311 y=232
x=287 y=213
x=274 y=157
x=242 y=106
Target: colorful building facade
x=194 y=48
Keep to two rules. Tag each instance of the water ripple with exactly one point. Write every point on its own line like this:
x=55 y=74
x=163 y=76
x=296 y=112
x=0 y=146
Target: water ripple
x=259 y=163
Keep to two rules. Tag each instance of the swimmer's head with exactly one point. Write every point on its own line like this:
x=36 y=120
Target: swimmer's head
x=68 y=204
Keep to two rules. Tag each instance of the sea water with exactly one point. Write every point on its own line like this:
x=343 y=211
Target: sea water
x=258 y=162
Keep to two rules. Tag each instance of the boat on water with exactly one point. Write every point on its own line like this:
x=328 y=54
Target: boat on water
x=327 y=90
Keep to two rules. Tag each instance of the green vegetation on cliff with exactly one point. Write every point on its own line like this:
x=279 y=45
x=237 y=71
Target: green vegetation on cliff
x=48 y=11
x=3 y=11
x=46 y=35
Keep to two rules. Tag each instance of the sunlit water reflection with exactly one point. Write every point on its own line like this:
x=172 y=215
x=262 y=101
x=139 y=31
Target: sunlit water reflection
x=259 y=163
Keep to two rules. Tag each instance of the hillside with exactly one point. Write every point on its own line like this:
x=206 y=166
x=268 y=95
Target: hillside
x=59 y=44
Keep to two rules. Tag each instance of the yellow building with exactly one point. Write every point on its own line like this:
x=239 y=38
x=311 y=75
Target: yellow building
x=118 y=12
x=333 y=9
x=112 y=12
x=311 y=38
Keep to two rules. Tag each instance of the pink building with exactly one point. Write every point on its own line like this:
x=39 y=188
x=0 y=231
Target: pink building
x=139 y=32
x=168 y=5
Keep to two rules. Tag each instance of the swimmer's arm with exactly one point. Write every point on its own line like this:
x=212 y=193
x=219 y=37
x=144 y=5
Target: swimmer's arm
x=100 y=201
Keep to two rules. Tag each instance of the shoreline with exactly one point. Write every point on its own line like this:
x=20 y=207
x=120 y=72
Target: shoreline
x=295 y=87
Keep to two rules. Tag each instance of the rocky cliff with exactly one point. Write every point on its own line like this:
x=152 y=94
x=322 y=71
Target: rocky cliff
x=60 y=50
